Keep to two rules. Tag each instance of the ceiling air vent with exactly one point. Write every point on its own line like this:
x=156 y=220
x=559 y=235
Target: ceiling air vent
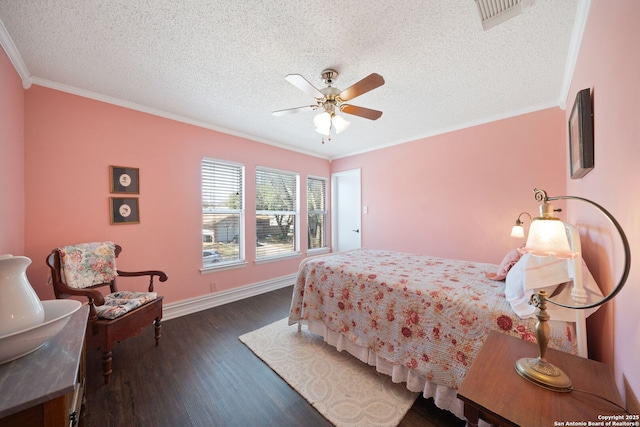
x=494 y=12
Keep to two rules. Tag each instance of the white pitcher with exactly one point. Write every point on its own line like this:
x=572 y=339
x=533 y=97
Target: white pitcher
x=20 y=307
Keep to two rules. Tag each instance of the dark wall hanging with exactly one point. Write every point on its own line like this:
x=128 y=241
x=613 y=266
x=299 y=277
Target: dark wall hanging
x=581 y=135
x=124 y=179
x=124 y=210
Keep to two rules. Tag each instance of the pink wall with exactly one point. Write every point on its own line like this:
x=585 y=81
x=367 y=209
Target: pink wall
x=609 y=64
x=70 y=143
x=11 y=159
x=453 y=195
x=457 y=194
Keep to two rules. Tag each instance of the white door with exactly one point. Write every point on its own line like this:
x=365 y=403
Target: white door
x=345 y=210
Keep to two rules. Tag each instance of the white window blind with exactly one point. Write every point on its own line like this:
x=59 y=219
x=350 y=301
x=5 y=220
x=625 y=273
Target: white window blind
x=276 y=213
x=222 y=213
x=317 y=212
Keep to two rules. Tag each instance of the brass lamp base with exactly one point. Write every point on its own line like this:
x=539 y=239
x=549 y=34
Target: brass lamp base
x=543 y=374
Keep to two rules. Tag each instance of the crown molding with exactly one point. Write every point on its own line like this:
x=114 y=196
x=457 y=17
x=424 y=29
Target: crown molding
x=160 y=113
x=582 y=15
x=14 y=56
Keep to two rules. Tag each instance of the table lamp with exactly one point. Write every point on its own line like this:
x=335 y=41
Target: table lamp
x=547 y=236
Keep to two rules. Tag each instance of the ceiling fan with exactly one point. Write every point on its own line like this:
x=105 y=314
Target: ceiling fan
x=332 y=100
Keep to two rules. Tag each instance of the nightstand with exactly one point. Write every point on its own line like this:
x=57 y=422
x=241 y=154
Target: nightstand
x=493 y=391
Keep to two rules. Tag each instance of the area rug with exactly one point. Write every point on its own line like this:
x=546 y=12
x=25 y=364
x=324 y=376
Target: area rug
x=343 y=389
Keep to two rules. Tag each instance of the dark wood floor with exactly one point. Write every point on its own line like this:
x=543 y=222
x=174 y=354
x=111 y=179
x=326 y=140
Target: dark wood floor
x=202 y=375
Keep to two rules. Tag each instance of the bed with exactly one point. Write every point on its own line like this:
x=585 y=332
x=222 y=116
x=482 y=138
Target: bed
x=422 y=319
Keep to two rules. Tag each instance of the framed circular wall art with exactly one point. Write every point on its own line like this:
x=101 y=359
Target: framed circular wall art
x=124 y=179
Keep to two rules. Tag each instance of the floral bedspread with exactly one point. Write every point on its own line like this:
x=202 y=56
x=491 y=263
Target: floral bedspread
x=430 y=314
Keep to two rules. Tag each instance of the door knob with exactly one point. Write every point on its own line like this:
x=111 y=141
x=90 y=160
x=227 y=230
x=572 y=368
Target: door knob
x=357 y=231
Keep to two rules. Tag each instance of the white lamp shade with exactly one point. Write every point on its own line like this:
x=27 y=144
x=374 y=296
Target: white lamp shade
x=322 y=122
x=339 y=123
x=548 y=237
x=517 y=231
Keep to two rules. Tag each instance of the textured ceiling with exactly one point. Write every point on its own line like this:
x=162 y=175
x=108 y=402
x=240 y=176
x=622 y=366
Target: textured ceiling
x=221 y=64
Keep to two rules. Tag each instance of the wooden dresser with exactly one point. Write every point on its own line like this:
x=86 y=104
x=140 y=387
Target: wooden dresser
x=46 y=387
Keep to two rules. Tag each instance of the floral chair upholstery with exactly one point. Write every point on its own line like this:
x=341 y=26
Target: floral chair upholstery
x=81 y=270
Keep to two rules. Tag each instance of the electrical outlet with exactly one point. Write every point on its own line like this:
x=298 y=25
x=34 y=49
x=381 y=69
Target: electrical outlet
x=214 y=287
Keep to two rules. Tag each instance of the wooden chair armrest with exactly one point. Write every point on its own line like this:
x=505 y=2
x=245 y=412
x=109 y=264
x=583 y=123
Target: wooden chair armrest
x=151 y=273
x=95 y=296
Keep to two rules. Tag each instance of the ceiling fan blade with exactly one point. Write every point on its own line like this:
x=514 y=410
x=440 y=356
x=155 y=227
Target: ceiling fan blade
x=294 y=110
x=367 y=113
x=303 y=84
x=370 y=82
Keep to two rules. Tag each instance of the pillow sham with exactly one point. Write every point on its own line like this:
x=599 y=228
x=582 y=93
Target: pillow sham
x=507 y=262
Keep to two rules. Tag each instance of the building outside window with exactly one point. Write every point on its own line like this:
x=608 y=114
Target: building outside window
x=222 y=213
x=276 y=213
x=317 y=213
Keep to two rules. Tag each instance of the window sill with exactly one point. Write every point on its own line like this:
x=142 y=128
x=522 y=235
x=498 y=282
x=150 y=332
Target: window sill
x=277 y=258
x=213 y=268
x=318 y=251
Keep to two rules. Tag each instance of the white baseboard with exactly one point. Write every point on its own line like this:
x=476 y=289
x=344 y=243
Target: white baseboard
x=204 y=302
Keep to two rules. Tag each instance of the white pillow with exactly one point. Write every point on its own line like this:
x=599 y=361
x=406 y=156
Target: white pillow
x=532 y=273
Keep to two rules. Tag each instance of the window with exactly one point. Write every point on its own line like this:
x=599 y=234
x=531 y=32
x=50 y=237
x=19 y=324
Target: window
x=222 y=213
x=276 y=213
x=317 y=212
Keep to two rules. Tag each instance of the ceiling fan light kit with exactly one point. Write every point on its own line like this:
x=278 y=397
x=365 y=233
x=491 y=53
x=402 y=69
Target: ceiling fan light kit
x=339 y=123
x=331 y=99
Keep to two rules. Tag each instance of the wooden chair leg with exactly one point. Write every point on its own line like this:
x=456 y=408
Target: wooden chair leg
x=106 y=365
x=158 y=323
